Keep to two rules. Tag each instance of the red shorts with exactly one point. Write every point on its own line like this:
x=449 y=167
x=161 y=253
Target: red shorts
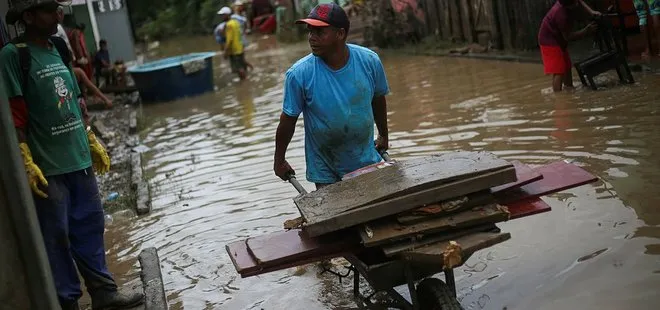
x=555 y=60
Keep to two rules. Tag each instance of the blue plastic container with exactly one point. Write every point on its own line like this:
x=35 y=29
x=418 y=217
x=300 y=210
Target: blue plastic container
x=175 y=77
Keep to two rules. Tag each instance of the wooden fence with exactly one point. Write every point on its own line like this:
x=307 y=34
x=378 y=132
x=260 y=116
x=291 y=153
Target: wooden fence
x=502 y=24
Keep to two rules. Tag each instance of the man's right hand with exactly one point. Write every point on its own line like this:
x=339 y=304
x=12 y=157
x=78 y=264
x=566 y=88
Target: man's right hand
x=283 y=170
x=34 y=174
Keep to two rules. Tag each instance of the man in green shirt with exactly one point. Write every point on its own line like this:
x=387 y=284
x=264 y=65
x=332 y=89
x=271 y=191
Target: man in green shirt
x=59 y=152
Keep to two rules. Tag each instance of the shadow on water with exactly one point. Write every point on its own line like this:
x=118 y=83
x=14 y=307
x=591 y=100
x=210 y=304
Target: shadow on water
x=212 y=183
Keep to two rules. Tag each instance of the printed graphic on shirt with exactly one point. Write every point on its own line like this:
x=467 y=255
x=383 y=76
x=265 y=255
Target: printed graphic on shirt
x=64 y=96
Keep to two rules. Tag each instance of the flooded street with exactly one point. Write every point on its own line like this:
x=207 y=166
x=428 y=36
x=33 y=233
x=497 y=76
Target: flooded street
x=212 y=183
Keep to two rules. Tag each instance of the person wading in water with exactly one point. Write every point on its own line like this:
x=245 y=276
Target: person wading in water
x=340 y=88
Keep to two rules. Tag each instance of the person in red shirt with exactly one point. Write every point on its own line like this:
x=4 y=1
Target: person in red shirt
x=554 y=35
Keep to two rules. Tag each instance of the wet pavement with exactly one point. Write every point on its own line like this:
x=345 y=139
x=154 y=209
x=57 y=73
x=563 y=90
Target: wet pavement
x=212 y=183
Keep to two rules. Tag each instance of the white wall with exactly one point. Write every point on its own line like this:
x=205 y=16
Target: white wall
x=4 y=6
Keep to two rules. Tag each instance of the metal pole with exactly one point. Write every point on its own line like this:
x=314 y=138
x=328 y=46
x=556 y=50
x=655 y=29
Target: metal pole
x=95 y=26
x=24 y=225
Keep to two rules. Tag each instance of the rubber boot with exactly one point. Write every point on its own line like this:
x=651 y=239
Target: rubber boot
x=114 y=300
x=69 y=305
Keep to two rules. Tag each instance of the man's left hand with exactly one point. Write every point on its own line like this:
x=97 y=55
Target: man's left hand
x=382 y=144
x=100 y=158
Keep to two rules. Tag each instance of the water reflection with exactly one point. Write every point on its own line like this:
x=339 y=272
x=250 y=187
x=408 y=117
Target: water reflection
x=211 y=169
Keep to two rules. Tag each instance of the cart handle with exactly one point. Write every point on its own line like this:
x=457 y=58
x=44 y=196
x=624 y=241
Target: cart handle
x=301 y=190
x=385 y=156
x=292 y=179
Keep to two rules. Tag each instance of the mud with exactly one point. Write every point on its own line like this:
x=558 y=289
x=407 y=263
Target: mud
x=111 y=126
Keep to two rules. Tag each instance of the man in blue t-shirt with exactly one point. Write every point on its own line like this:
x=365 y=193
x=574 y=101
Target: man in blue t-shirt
x=340 y=88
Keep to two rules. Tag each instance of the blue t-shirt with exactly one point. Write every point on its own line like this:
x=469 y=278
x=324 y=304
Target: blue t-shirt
x=101 y=55
x=336 y=105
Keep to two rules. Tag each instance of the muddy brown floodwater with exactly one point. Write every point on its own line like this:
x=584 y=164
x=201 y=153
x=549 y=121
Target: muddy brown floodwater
x=212 y=183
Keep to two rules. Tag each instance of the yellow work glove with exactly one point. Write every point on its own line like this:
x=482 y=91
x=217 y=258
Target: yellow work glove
x=100 y=158
x=34 y=174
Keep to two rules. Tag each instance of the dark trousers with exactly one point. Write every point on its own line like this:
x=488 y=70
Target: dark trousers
x=72 y=223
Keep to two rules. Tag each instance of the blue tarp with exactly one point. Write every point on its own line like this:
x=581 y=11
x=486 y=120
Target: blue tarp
x=169 y=62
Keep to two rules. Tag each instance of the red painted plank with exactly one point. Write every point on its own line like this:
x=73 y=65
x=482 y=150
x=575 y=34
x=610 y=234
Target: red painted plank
x=557 y=176
x=274 y=250
x=282 y=248
x=240 y=257
x=527 y=207
x=293 y=263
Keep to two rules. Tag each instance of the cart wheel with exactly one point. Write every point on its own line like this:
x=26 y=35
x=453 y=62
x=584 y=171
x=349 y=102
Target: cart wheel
x=433 y=294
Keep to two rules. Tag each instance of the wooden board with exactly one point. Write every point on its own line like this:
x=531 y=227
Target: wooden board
x=402 y=246
x=527 y=207
x=524 y=176
x=557 y=176
x=268 y=252
x=423 y=214
x=432 y=19
x=388 y=230
x=466 y=18
x=491 y=13
x=240 y=256
x=445 y=18
x=456 y=23
x=469 y=244
x=367 y=169
x=401 y=178
x=334 y=222
x=282 y=247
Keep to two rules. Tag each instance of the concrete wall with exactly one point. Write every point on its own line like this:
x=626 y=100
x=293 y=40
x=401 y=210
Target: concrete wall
x=12 y=283
x=13 y=287
x=82 y=16
x=115 y=27
x=25 y=278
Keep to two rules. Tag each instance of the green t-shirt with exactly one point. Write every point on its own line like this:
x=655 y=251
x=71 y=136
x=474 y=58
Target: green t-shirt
x=55 y=130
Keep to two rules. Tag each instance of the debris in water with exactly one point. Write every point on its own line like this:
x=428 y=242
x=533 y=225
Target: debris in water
x=300 y=270
x=141 y=148
x=452 y=256
x=368 y=231
x=505 y=210
x=112 y=196
x=447 y=206
x=294 y=223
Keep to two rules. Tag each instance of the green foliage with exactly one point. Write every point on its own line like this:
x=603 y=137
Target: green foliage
x=158 y=19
